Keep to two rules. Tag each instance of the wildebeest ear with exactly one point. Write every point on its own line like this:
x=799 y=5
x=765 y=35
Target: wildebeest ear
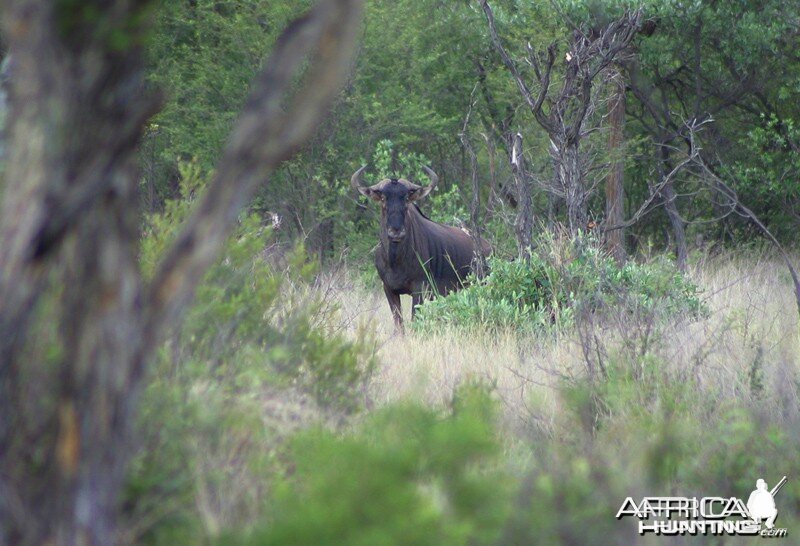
x=416 y=193
x=371 y=192
x=420 y=192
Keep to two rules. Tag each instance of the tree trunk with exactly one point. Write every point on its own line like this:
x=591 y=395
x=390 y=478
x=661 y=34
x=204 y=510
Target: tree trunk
x=571 y=184
x=615 y=196
x=491 y=151
x=524 y=223
x=69 y=243
x=552 y=197
x=669 y=196
x=479 y=259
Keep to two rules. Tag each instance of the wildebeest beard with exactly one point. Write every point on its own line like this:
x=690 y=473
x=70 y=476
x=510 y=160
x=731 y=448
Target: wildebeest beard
x=393 y=248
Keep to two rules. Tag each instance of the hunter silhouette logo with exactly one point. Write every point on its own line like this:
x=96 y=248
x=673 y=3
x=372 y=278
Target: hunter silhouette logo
x=761 y=503
x=708 y=515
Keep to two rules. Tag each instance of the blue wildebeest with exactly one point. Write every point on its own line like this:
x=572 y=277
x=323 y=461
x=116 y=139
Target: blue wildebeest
x=416 y=255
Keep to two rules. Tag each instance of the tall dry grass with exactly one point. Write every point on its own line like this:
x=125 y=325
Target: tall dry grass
x=748 y=347
x=743 y=355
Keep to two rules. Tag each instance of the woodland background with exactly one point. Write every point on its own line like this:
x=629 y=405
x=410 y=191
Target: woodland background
x=637 y=333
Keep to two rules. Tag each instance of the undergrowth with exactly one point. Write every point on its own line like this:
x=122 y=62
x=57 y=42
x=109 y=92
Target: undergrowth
x=563 y=277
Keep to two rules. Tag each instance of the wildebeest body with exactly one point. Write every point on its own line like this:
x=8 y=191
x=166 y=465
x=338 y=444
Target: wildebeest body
x=416 y=255
x=445 y=252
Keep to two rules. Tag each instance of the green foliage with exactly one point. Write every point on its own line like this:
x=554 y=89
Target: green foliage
x=258 y=335
x=203 y=55
x=562 y=278
x=768 y=174
x=409 y=476
x=249 y=306
x=448 y=207
x=392 y=163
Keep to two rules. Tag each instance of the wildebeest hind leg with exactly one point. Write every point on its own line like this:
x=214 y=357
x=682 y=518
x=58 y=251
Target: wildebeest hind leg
x=394 y=304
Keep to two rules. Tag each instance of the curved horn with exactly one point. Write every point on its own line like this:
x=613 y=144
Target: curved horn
x=355 y=180
x=434 y=178
x=422 y=192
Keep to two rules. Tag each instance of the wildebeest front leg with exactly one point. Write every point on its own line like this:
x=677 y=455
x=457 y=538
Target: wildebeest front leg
x=394 y=304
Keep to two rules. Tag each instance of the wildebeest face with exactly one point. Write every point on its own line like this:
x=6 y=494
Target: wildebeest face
x=394 y=195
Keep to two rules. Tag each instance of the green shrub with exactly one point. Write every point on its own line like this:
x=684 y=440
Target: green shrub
x=562 y=278
x=408 y=476
x=259 y=353
x=257 y=317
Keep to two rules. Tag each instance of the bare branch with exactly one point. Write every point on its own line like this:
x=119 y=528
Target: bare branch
x=729 y=193
x=690 y=159
x=479 y=260
x=644 y=208
x=534 y=104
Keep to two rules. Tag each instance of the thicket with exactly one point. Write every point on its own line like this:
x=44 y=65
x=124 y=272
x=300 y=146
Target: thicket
x=564 y=278
x=260 y=353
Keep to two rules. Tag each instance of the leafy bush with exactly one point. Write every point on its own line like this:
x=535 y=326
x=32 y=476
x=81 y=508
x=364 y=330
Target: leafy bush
x=407 y=477
x=260 y=352
x=563 y=277
x=410 y=475
x=259 y=312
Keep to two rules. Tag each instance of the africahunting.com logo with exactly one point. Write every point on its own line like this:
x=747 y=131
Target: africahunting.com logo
x=708 y=515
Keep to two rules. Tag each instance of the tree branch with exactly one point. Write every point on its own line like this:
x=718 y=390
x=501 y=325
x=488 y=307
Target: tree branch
x=534 y=104
x=644 y=208
x=265 y=135
x=479 y=259
x=728 y=192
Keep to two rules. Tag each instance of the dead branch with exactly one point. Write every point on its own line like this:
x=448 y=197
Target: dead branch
x=730 y=194
x=644 y=208
x=475 y=203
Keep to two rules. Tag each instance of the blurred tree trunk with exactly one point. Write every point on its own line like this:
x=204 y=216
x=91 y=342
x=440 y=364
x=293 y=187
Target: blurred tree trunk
x=615 y=191
x=77 y=108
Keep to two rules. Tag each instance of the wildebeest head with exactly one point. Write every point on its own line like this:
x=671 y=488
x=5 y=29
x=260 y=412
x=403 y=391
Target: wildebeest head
x=394 y=195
